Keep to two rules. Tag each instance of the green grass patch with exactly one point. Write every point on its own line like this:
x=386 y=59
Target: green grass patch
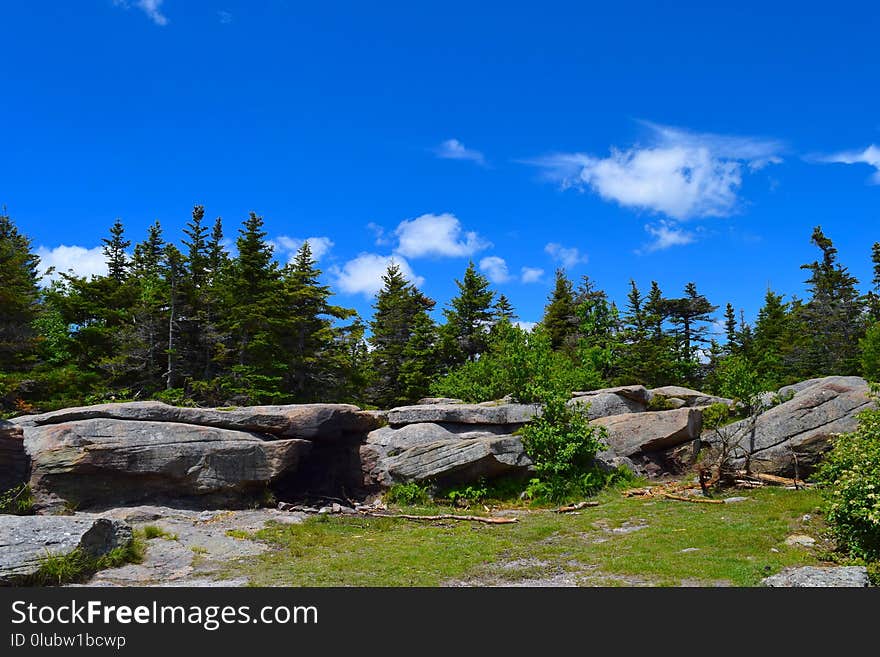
x=673 y=543
x=152 y=531
x=17 y=501
x=77 y=566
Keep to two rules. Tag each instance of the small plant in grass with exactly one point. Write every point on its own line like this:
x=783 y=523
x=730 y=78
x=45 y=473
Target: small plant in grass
x=238 y=534
x=77 y=566
x=467 y=495
x=850 y=481
x=17 y=501
x=408 y=494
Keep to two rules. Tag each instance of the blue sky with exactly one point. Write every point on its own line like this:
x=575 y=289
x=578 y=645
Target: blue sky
x=669 y=141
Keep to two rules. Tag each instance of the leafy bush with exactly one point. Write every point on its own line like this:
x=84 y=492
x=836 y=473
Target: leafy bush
x=17 y=501
x=562 y=444
x=409 y=494
x=850 y=476
x=518 y=363
x=467 y=495
x=660 y=403
x=870 y=347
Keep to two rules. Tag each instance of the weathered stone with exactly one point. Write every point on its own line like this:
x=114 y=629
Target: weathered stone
x=106 y=462
x=675 y=402
x=26 y=540
x=14 y=461
x=802 y=428
x=500 y=414
x=636 y=393
x=465 y=458
x=639 y=433
x=605 y=404
x=688 y=396
x=607 y=461
x=439 y=400
x=812 y=576
x=308 y=421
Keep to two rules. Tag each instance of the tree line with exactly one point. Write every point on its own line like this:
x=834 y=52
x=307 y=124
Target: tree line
x=194 y=324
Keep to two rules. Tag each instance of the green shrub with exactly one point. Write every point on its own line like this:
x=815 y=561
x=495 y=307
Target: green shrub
x=562 y=444
x=174 y=397
x=660 y=403
x=870 y=348
x=409 y=494
x=716 y=416
x=17 y=501
x=467 y=495
x=152 y=531
x=850 y=479
x=77 y=566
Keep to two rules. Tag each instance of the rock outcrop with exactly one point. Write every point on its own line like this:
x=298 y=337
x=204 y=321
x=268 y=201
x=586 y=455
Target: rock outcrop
x=812 y=576
x=26 y=540
x=688 y=396
x=640 y=434
x=14 y=462
x=612 y=401
x=446 y=444
x=797 y=432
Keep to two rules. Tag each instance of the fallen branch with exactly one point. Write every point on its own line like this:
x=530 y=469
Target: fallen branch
x=574 y=507
x=699 y=500
x=443 y=516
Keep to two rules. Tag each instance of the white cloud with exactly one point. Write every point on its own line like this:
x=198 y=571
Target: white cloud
x=568 y=257
x=869 y=156
x=680 y=174
x=77 y=260
x=225 y=17
x=452 y=149
x=495 y=268
x=152 y=8
x=288 y=246
x=379 y=234
x=363 y=275
x=531 y=274
x=666 y=234
x=526 y=326
x=439 y=235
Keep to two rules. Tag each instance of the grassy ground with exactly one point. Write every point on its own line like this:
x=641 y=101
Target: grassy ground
x=624 y=541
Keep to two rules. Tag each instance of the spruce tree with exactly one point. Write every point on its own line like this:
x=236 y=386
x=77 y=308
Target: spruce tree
x=19 y=297
x=504 y=309
x=468 y=317
x=730 y=329
x=560 y=317
x=114 y=252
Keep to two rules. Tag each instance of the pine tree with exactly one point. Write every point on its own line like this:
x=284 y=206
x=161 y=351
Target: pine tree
x=114 y=251
x=598 y=335
x=560 y=317
x=730 y=330
x=833 y=315
x=19 y=297
x=504 y=309
x=468 y=317
x=772 y=344
x=873 y=296
x=404 y=342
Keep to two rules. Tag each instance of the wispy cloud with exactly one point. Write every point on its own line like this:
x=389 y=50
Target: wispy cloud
x=531 y=274
x=666 y=234
x=452 y=149
x=363 y=274
x=379 y=234
x=225 y=17
x=437 y=235
x=152 y=8
x=869 y=156
x=288 y=246
x=680 y=174
x=495 y=269
x=567 y=256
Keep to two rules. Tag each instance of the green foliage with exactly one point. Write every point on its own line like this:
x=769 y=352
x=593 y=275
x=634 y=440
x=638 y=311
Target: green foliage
x=17 y=501
x=408 y=494
x=468 y=317
x=174 y=397
x=660 y=403
x=870 y=347
x=562 y=443
x=738 y=380
x=716 y=416
x=77 y=566
x=152 y=531
x=518 y=363
x=850 y=478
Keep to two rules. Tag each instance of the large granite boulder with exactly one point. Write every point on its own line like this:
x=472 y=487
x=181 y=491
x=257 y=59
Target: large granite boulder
x=26 y=540
x=652 y=431
x=688 y=396
x=797 y=432
x=107 y=461
x=307 y=421
x=606 y=403
x=509 y=415
x=812 y=576
x=14 y=462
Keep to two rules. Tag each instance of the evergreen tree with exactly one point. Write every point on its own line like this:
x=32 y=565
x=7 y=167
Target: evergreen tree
x=114 y=252
x=833 y=315
x=598 y=333
x=404 y=342
x=872 y=299
x=560 y=315
x=468 y=317
x=504 y=309
x=730 y=330
x=19 y=297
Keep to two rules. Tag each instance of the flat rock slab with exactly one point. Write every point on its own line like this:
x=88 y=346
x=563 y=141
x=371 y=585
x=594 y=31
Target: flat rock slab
x=307 y=421
x=199 y=549
x=502 y=414
x=636 y=393
x=605 y=404
x=688 y=396
x=812 y=576
x=14 y=461
x=26 y=540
